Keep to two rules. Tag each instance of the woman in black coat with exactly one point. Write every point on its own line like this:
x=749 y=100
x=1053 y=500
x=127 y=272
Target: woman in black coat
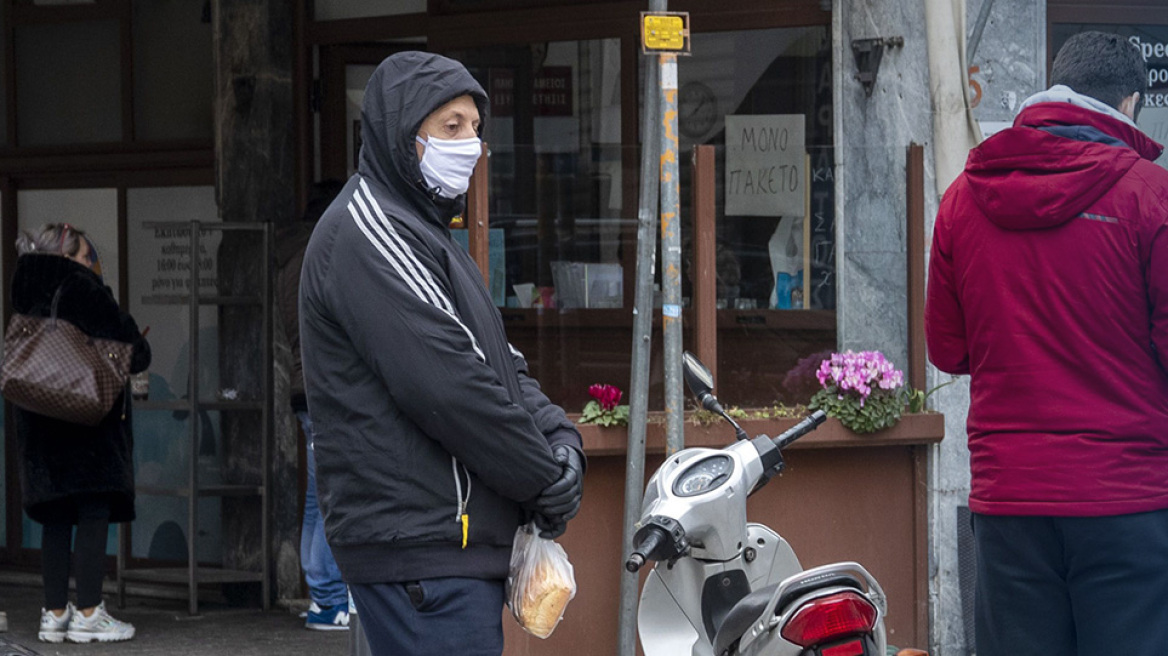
x=74 y=474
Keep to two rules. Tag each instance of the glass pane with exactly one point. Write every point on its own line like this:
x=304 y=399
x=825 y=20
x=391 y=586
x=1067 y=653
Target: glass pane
x=3 y=87
x=3 y=432
x=556 y=171
x=1153 y=43
x=356 y=78
x=172 y=70
x=764 y=98
x=159 y=267
x=561 y=244
x=93 y=210
x=69 y=83
x=336 y=9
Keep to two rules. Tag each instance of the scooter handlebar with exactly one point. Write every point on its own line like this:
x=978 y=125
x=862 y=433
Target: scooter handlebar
x=800 y=429
x=645 y=548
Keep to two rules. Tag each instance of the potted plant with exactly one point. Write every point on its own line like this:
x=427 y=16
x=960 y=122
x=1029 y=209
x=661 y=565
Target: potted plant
x=604 y=409
x=864 y=391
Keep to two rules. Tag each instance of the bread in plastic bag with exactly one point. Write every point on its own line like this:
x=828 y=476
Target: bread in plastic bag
x=540 y=583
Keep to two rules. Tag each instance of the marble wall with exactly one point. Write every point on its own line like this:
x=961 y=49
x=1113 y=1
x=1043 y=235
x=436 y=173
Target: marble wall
x=872 y=133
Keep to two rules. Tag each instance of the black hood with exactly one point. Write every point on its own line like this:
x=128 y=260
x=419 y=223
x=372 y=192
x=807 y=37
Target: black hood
x=402 y=92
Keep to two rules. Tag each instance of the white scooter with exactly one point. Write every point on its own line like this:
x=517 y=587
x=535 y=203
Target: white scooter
x=724 y=587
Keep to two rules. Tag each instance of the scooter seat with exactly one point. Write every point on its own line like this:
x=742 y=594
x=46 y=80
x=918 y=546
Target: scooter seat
x=739 y=619
x=746 y=612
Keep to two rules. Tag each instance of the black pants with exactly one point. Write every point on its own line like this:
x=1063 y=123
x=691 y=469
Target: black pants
x=435 y=617
x=92 y=528
x=1072 y=586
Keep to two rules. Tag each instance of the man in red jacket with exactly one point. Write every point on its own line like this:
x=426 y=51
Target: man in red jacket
x=1048 y=285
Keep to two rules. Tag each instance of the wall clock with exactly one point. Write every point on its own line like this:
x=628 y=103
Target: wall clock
x=697 y=110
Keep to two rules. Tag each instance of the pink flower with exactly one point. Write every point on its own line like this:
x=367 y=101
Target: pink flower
x=608 y=396
x=859 y=373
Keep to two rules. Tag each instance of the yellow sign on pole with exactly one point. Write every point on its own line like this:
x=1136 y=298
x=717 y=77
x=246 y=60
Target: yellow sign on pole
x=665 y=31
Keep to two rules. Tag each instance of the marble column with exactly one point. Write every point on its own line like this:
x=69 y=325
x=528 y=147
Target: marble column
x=872 y=133
x=1008 y=65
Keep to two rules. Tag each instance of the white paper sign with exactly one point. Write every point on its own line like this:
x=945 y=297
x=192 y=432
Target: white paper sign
x=1154 y=123
x=764 y=165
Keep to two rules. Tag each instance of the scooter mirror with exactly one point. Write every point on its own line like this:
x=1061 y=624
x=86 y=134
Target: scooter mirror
x=697 y=377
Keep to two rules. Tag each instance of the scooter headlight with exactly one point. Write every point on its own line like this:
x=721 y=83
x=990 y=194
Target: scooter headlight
x=703 y=475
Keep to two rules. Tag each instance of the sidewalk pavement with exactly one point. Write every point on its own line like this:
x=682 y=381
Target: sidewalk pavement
x=164 y=628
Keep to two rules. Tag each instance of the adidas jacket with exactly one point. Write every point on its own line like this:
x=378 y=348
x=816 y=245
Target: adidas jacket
x=429 y=432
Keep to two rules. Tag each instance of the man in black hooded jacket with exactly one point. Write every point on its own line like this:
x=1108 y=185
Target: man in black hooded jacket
x=432 y=443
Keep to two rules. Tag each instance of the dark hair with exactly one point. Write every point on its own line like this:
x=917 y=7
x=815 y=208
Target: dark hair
x=320 y=196
x=1105 y=66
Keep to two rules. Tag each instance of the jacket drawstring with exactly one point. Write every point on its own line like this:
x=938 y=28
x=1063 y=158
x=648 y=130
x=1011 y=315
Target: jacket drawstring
x=462 y=517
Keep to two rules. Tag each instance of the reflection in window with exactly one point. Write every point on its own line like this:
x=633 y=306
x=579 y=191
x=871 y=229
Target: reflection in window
x=767 y=80
x=159 y=262
x=773 y=252
x=554 y=135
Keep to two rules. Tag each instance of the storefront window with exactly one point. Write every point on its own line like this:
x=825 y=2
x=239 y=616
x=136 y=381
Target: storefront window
x=555 y=169
x=563 y=206
x=1152 y=41
x=172 y=70
x=69 y=83
x=159 y=265
x=763 y=99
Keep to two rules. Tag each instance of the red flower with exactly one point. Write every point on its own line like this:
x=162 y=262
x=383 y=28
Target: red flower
x=608 y=396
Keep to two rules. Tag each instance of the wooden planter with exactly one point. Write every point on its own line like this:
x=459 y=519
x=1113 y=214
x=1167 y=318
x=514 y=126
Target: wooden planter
x=912 y=429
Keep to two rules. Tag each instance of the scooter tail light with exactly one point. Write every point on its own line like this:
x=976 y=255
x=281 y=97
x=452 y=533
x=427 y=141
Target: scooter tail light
x=829 y=618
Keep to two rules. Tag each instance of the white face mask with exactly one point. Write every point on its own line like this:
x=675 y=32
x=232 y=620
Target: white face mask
x=448 y=163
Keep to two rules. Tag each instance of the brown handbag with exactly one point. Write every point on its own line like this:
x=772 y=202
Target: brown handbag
x=52 y=368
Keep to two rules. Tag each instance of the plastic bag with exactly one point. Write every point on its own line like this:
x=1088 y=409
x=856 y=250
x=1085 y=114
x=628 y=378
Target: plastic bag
x=540 y=583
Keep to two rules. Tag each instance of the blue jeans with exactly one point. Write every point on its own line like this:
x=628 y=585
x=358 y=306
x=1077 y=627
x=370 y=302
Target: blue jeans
x=1082 y=586
x=434 y=617
x=316 y=559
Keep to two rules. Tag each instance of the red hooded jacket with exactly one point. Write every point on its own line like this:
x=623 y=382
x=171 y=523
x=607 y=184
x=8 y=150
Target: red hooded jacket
x=1048 y=285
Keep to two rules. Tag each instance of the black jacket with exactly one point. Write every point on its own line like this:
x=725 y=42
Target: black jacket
x=422 y=411
x=290 y=244
x=61 y=460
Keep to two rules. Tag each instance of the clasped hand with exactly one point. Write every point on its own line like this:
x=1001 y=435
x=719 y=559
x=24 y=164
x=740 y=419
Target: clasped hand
x=560 y=501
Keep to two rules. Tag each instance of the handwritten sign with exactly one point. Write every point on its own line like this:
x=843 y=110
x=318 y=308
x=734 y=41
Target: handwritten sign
x=764 y=165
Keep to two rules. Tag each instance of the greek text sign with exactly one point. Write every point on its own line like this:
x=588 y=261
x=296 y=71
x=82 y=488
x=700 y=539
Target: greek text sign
x=764 y=165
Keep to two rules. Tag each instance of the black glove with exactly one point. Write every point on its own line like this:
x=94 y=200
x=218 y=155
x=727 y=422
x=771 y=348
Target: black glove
x=550 y=528
x=561 y=500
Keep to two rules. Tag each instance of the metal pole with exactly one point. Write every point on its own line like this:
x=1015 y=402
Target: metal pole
x=642 y=342
x=671 y=259
x=193 y=418
x=978 y=28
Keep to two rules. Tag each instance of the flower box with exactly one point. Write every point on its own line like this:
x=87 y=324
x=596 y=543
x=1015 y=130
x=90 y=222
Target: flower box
x=912 y=429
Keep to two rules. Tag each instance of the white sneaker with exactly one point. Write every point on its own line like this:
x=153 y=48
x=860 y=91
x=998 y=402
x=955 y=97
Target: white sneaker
x=53 y=627
x=99 y=626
